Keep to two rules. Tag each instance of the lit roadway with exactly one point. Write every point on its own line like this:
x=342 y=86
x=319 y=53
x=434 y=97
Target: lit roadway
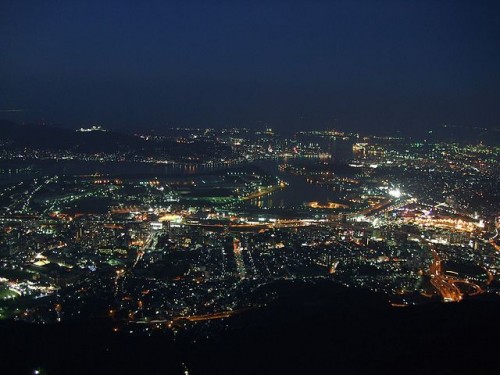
x=447 y=285
x=150 y=242
x=194 y=318
x=262 y=192
x=385 y=205
x=492 y=240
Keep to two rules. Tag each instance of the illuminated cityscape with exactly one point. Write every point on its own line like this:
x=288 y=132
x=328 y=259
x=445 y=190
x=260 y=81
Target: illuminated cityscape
x=249 y=187
x=171 y=243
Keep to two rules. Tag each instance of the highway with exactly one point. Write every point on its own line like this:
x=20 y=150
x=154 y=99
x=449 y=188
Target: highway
x=447 y=285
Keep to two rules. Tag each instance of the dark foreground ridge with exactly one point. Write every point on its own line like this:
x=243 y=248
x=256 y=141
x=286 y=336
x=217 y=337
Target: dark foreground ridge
x=320 y=328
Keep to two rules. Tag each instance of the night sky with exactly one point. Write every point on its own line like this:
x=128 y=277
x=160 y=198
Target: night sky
x=356 y=65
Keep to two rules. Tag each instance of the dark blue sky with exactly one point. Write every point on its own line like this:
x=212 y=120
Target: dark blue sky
x=362 y=65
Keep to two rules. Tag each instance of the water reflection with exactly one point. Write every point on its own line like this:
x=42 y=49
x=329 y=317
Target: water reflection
x=298 y=192
x=294 y=195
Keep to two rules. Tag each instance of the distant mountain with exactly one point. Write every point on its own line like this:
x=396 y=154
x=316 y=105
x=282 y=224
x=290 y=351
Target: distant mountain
x=53 y=138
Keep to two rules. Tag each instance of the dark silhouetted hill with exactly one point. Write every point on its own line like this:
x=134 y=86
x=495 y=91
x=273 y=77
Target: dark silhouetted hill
x=54 y=138
x=46 y=137
x=320 y=328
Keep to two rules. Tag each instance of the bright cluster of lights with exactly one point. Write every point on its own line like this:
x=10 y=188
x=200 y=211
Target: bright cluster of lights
x=396 y=193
